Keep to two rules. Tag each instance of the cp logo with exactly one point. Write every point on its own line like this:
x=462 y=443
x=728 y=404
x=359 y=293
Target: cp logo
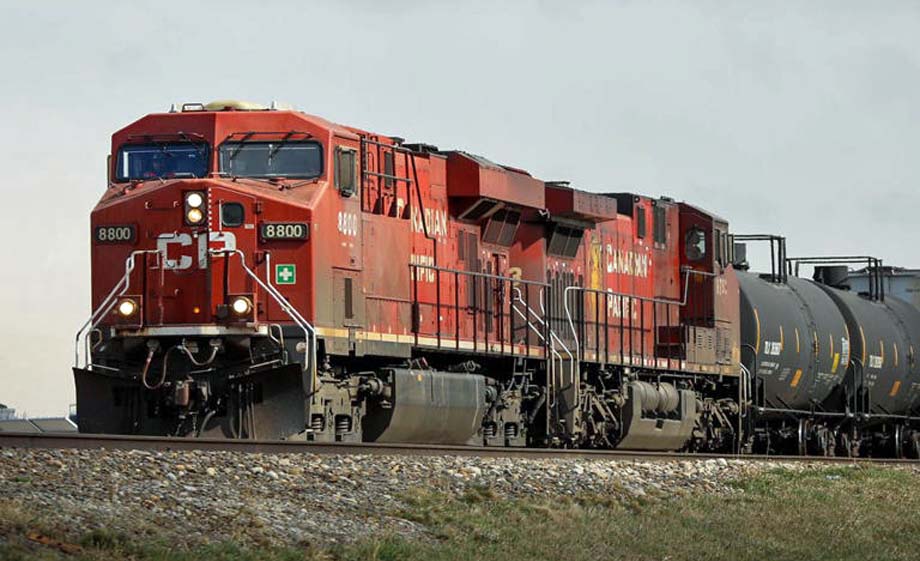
x=177 y=258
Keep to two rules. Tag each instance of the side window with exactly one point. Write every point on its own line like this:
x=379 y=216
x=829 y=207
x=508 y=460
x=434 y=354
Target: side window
x=345 y=171
x=719 y=247
x=695 y=244
x=659 y=225
x=640 y=222
x=388 y=169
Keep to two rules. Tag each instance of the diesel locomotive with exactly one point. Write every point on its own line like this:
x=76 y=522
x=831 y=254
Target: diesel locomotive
x=262 y=273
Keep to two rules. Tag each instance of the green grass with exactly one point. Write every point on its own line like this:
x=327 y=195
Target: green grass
x=832 y=514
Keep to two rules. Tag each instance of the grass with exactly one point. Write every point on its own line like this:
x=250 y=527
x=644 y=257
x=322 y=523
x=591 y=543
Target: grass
x=831 y=514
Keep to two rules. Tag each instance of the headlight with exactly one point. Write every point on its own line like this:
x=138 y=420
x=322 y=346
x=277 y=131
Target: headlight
x=194 y=200
x=194 y=208
x=194 y=216
x=127 y=308
x=241 y=306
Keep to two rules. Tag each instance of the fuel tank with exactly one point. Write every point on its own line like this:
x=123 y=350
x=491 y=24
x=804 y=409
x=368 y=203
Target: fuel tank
x=801 y=342
x=885 y=336
x=427 y=406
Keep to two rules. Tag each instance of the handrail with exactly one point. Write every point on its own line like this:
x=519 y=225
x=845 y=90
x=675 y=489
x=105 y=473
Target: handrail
x=554 y=339
x=306 y=326
x=106 y=306
x=668 y=301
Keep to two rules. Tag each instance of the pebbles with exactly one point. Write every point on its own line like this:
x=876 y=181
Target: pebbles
x=297 y=498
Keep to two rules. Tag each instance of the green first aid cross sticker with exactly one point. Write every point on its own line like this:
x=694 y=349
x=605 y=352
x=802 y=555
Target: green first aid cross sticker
x=285 y=274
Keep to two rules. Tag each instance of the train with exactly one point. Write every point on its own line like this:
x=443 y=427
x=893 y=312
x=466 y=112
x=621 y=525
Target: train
x=262 y=273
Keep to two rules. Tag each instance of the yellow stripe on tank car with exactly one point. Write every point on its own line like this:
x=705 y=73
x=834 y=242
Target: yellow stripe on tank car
x=862 y=336
x=757 y=336
x=846 y=349
x=895 y=345
x=782 y=341
x=881 y=350
x=796 y=378
x=797 y=347
x=895 y=388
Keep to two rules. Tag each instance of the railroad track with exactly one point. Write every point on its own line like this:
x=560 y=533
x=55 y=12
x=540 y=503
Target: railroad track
x=127 y=442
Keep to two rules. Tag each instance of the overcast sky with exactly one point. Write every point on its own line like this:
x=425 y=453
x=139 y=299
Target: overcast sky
x=794 y=117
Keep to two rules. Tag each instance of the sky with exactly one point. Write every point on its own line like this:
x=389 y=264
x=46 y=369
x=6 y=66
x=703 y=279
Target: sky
x=794 y=118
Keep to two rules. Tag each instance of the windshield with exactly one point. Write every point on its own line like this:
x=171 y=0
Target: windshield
x=150 y=161
x=271 y=159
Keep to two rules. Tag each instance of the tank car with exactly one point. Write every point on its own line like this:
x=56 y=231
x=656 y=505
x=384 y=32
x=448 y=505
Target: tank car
x=833 y=370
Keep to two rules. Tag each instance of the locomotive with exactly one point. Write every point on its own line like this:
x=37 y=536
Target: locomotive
x=262 y=273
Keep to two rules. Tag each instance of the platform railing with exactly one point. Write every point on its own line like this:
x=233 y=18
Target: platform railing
x=485 y=319
x=626 y=322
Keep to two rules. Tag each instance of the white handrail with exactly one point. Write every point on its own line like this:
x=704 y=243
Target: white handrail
x=553 y=340
x=679 y=303
x=106 y=306
x=306 y=326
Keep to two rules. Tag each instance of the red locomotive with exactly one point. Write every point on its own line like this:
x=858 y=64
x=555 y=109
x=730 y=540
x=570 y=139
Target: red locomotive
x=264 y=273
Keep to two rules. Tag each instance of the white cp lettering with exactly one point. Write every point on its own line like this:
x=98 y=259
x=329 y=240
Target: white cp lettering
x=214 y=240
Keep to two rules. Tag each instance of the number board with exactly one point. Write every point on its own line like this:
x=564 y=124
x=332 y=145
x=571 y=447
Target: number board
x=115 y=233
x=284 y=231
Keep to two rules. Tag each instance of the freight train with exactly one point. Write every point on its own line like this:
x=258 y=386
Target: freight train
x=262 y=273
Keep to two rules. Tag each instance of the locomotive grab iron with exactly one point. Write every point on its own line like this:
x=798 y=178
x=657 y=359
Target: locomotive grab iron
x=264 y=273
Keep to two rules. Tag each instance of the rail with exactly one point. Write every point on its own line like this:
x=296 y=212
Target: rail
x=119 y=290
x=10 y=440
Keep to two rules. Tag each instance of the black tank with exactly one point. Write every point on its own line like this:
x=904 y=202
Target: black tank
x=884 y=337
x=800 y=337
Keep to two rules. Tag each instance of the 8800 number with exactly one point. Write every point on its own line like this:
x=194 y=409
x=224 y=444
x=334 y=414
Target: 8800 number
x=123 y=233
x=285 y=231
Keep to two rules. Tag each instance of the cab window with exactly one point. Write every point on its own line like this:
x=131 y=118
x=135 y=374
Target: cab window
x=302 y=160
x=161 y=161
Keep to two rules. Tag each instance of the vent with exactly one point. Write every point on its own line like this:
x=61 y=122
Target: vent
x=481 y=209
x=502 y=227
x=565 y=241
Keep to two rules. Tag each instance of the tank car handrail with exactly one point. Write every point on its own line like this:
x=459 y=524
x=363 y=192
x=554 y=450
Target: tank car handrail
x=107 y=304
x=306 y=326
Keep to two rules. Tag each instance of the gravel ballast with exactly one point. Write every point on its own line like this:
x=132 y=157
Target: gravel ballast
x=284 y=499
